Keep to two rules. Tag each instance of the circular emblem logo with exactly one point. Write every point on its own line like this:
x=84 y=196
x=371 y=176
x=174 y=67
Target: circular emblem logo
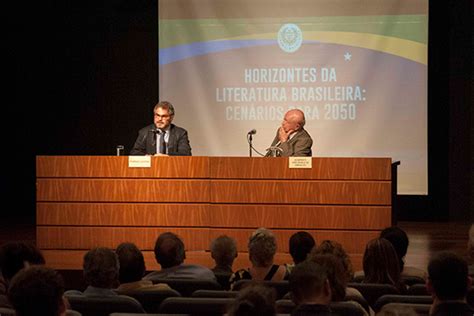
x=290 y=38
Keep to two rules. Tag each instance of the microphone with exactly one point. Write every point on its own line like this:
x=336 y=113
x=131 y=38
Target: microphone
x=252 y=132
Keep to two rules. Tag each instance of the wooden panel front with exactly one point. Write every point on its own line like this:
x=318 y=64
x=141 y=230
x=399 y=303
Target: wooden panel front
x=372 y=169
x=215 y=215
x=122 y=214
x=122 y=190
x=301 y=192
x=117 y=167
x=88 y=201
x=57 y=237
x=53 y=237
x=299 y=216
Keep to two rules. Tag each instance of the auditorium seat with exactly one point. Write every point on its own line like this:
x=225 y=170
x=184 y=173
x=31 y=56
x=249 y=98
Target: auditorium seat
x=417 y=289
x=420 y=309
x=356 y=298
x=104 y=305
x=339 y=308
x=214 y=293
x=372 y=291
x=195 y=305
x=407 y=279
x=361 y=300
x=7 y=311
x=281 y=287
x=151 y=299
x=406 y=299
x=4 y=311
x=410 y=280
x=186 y=287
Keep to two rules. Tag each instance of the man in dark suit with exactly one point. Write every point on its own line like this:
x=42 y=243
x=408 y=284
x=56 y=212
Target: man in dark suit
x=162 y=138
x=291 y=138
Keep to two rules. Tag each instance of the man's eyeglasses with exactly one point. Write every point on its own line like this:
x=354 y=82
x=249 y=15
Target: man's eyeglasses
x=166 y=116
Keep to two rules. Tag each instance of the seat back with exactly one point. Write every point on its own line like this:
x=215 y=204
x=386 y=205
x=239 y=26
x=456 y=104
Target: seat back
x=151 y=299
x=417 y=289
x=104 y=305
x=346 y=308
x=214 y=293
x=7 y=311
x=4 y=311
x=339 y=308
x=195 y=305
x=281 y=287
x=361 y=300
x=372 y=291
x=410 y=280
x=186 y=287
x=420 y=309
x=407 y=279
x=406 y=299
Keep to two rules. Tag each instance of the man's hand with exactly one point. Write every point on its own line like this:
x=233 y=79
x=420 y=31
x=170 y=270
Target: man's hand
x=283 y=136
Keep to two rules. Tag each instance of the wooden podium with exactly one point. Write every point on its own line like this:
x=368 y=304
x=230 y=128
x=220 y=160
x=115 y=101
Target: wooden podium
x=88 y=201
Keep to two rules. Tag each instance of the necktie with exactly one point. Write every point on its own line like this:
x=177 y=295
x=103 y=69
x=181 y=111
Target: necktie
x=162 y=143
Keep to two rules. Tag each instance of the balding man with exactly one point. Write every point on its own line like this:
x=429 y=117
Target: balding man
x=291 y=138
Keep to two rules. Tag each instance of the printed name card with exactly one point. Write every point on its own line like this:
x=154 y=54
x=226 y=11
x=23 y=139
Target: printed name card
x=139 y=161
x=300 y=162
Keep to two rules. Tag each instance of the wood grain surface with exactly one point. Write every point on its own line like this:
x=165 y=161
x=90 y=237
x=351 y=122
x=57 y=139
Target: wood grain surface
x=89 y=201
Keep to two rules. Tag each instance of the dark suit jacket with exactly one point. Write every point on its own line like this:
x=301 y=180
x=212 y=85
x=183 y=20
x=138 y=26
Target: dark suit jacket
x=298 y=146
x=178 y=142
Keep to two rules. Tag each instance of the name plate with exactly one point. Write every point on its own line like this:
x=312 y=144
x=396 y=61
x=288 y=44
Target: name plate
x=139 y=161
x=300 y=162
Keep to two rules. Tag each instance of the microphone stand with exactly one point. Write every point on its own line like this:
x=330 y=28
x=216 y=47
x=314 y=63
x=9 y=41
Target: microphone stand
x=250 y=144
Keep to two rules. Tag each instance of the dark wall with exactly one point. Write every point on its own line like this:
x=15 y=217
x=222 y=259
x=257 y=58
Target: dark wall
x=84 y=79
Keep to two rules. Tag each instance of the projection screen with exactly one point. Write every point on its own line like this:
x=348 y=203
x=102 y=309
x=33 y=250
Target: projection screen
x=357 y=68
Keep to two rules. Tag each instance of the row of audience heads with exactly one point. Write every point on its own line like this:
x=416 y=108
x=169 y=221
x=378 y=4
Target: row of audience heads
x=323 y=269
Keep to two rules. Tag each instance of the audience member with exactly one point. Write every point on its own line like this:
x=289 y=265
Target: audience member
x=14 y=256
x=254 y=299
x=448 y=282
x=262 y=247
x=399 y=240
x=37 y=290
x=336 y=249
x=101 y=271
x=170 y=255
x=310 y=289
x=224 y=252
x=380 y=264
x=336 y=275
x=132 y=269
x=300 y=245
x=470 y=250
